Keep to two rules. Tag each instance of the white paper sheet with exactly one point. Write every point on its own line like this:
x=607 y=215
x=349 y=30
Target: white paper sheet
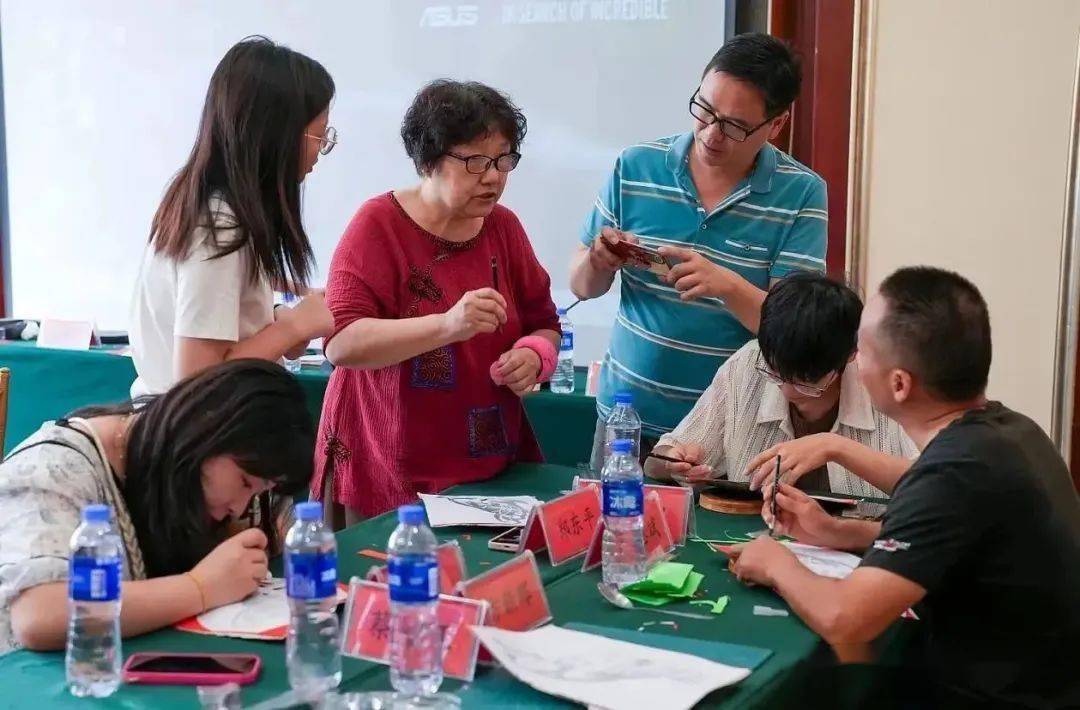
x=823 y=561
x=266 y=609
x=486 y=511
x=259 y=615
x=603 y=672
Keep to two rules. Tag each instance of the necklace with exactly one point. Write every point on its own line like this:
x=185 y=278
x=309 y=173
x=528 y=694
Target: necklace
x=120 y=443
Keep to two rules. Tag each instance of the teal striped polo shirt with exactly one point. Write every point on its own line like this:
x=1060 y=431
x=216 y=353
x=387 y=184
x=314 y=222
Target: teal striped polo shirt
x=665 y=351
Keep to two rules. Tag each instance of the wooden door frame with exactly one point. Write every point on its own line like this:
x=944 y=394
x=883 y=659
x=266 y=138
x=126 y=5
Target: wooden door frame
x=818 y=135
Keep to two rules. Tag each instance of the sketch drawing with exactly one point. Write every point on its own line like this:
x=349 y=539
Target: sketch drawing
x=586 y=668
x=505 y=510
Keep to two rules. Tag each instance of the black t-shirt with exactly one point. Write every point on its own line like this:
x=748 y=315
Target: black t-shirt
x=988 y=522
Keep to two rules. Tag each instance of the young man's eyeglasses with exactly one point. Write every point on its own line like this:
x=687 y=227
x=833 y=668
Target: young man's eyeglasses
x=327 y=140
x=807 y=390
x=732 y=130
x=479 y=164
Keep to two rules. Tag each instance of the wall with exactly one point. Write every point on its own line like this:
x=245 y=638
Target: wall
x=102 y=101
x=969 y=125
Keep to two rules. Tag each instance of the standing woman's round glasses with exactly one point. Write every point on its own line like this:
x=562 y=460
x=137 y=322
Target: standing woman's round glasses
x=327 y=140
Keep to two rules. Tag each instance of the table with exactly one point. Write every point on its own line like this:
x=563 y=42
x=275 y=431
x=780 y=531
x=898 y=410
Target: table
x=572 y=595
x=46 y=384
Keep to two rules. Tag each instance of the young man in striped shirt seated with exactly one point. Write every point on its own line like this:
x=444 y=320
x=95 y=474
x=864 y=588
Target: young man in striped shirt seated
x=794 y=392
x=729 y=212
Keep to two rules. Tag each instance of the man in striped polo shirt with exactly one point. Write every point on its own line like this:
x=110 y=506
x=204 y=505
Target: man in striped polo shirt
x=729 y=212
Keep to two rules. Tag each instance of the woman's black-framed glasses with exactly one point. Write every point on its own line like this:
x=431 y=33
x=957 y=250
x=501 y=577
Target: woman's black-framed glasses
x=479 y=164
x=807 y=390
x=327 y=140
x=732 y=130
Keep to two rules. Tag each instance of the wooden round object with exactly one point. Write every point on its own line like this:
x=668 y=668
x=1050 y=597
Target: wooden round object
x=719 y=503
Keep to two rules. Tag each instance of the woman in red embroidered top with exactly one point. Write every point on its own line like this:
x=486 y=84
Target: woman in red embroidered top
x=443 y=316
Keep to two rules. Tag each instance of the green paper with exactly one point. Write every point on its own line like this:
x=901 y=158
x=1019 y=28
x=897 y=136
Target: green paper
x=650 y=592
x=666 y=577
x=717 y=542
x=720 y=605
x=691 y=586
x=672 y=575
x=647 y=598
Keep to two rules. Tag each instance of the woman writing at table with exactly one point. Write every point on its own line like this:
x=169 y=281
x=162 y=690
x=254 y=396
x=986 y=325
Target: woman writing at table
x=443 y=316
x=228 y=232
x=180 y=472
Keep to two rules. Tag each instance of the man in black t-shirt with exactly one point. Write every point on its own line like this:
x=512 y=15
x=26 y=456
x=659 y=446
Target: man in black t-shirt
x=982 y=532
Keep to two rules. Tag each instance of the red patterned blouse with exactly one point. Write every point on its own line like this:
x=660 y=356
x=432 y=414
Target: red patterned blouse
x=437 y=419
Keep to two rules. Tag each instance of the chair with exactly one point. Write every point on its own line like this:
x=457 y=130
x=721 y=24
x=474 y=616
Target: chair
x=5 y=383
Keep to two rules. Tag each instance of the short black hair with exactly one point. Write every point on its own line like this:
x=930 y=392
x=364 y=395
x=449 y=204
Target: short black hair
x=446 y=113
x=765 y=62
x=809 y=326
x=938 y=329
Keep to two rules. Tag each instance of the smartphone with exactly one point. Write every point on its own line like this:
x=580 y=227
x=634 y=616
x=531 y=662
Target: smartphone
x=148 y=668
x=506 y=541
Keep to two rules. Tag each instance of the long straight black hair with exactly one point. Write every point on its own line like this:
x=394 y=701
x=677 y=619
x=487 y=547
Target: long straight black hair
x=252 y=411
x=261 y=98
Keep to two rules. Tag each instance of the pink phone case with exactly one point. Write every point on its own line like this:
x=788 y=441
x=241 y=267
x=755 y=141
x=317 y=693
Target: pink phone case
x=155 y=678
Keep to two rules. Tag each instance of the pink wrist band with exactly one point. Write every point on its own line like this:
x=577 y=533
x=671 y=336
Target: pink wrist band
x=549 y=356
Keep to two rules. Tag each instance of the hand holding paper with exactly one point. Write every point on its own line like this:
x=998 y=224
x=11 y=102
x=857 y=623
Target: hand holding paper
x=606 y=254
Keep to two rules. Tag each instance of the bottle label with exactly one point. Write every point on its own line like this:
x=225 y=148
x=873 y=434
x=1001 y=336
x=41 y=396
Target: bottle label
x=94 y=580
x=623 y=499
x=414 y=578
x=567 y=341
x=311 y=575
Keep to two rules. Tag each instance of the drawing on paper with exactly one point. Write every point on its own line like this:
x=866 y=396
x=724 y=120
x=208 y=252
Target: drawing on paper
x=509 y=511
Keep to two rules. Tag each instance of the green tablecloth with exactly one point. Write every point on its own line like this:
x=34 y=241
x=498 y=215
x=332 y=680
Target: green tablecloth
x=572 y=595
x=46 y=384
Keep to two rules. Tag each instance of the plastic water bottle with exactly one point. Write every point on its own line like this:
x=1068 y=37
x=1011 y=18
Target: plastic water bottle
x=623 y=423
x=311 y=648
x=562 y=380
x=290 y=300
x=415 y=636
x=93 y=642
x=623 y=544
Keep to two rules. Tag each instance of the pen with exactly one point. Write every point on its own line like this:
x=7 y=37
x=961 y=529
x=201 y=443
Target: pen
x=775 y=490
x=495 y=278
x=653 y=455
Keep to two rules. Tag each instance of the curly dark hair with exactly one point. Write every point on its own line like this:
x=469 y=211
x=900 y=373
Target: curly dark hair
x=446 y=113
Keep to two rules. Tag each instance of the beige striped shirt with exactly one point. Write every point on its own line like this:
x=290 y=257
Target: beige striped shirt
x=742 y=414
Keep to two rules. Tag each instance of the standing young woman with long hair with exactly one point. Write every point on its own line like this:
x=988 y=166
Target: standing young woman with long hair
x=181 y=471
x=228 y=232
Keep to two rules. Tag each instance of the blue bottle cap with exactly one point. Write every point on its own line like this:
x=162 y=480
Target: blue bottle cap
x=410 y=514
x=624 y=398
x=96 y=513
x=560 y=311
x=620 y=446
x=309 y=511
